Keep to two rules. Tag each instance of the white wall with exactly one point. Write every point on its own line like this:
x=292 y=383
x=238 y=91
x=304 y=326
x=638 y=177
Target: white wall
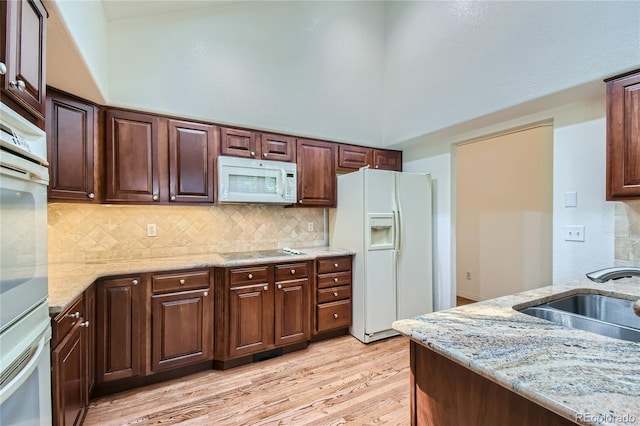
x=578 y=165
x=307 y=68
x=450 y=62
x=77 y=48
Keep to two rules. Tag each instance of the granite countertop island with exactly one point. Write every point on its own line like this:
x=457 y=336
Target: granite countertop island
x=581 y=376
x=68 y=280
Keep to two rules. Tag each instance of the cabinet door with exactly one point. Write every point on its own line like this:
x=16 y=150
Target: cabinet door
x=316 y=173
x=354 y=157
x=132 y=157
x=278 y=147
x=238 y=143
x=70 y=140
x=69 y=379
x=90 y=323
x=120 y=323
x=182 y=325
x=623 y=138
x=292 y=311
x=387 y=160
x=250 y=319
x=192 y=150
x=24 y=43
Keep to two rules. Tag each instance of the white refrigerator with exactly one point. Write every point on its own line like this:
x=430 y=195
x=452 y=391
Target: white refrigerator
x=385 y=218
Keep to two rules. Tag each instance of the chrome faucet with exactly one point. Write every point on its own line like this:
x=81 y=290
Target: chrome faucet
x=616 y=273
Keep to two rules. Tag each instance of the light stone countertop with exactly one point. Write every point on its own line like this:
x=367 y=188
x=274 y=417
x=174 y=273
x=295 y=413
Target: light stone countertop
x=68 y=280
x=584 y=377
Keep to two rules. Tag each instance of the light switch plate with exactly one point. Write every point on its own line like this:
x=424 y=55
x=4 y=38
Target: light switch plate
x=574 y=233
x=151 y=230
x=571 y=199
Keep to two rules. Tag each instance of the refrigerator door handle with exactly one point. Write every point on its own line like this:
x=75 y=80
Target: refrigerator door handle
x=396 y=236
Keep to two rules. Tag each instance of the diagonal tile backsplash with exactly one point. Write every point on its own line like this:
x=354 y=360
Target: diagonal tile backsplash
x=85 y=232
x=627 y=234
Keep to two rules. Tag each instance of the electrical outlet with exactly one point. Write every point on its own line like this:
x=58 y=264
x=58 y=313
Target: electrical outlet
x=468 y=275
x=310 y=226
x=574 y=233
x=151 y=230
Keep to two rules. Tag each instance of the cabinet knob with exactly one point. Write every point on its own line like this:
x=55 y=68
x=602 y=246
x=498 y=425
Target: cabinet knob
x=18 y=84
x=377 y=166
x=250 y=276
x=74 y=315
x=84 y=324
x=293 y=272
x=279 y=286
x=3 y=68
x=265 y=154
x=335 y=315
x=135 y=282
x=335 y=280
x=300 y=202
x=182 y=281
x=206 y=293
x=253 y=153
x=155 y=198
x=335 y=294
x=173 y=198
x=91 y=195
x=266 y=287
x=335 y=265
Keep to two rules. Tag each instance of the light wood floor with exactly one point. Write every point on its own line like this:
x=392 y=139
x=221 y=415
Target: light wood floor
x=332 y=382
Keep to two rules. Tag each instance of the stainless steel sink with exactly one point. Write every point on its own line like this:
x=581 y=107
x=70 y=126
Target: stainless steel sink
x=605 y=315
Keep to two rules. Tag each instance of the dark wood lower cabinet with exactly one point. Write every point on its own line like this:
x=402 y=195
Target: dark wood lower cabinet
x=70 y=395
x=292 y=322
x=181 y=326
x=444 y=393
x=250 y=313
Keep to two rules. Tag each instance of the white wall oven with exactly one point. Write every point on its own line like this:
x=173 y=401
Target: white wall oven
x=25 y=330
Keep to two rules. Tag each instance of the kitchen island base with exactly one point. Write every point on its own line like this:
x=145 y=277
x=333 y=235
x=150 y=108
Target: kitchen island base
x=445 y=393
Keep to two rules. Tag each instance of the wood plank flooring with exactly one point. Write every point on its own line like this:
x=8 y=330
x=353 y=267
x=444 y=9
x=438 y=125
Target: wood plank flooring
x=332 y=382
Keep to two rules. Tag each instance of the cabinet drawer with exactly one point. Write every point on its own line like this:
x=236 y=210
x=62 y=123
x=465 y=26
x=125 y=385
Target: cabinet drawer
x=180 y=281
x=291 y=271
x=64 y=321
x=249 y=275
x=334 y=293
x=335 y=264
x=333 y=280
x=334 y=315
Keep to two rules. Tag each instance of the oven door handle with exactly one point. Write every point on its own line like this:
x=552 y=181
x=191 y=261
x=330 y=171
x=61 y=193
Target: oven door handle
x=24 y=371
x=25 y=170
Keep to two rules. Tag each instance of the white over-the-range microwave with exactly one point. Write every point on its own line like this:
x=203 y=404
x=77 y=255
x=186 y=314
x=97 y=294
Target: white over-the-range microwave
x=245 y=180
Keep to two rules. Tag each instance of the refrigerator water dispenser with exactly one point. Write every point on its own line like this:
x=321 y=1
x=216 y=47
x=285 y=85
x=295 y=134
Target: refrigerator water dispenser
x=381 y=232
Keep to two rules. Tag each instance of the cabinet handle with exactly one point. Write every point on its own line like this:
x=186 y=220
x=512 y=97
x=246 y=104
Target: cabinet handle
x=91 y=195
x=135 y=282
x=182 y=281
x=18 y=84
x=335 y=294
x=335 y=280
x=173 y=198
x=266 y=287
x=335 y=315
x=206 y=293
x=279 y=286
x=293 y=272
x=155 y=198
x=250 y=276
x=3 y=68
x=84 y=324
x=75 y=315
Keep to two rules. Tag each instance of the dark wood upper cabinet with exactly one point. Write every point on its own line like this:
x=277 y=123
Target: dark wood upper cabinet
x=238 y=143
x=623 y=137
x=278 y=147
x=387 y=160
x=354 y=157
x=71 y=129
x=316 y=173
x=132 y=161
x=192 y=153
x=23 y=55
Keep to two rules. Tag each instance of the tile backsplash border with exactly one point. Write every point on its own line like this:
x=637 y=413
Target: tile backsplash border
x=86 y=232
x=627 y=234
